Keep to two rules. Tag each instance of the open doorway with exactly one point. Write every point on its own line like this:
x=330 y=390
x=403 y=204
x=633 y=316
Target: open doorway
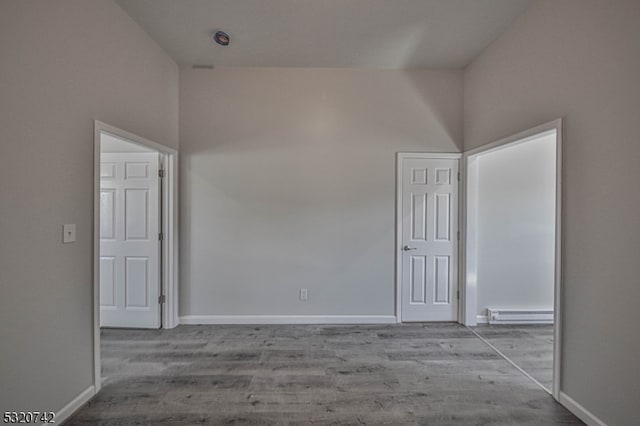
x=135 y=235
x=512 y=252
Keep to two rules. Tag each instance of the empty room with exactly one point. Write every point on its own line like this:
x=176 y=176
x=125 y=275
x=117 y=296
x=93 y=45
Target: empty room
x=289 y=212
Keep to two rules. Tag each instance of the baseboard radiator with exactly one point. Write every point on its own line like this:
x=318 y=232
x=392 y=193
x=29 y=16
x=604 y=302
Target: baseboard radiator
x=520 y=316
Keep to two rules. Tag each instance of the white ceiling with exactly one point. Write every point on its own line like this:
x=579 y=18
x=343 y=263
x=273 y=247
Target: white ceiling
x=392 y=34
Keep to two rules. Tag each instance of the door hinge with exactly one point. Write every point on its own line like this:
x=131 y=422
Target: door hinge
x=458 y=176
x=458 y=235
x=458 y=294
x=162 y=299
x=161 y=236
x=161 y=173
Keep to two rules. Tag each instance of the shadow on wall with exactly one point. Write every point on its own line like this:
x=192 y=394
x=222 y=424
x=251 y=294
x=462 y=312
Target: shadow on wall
x=257 y=109
x=442 y=105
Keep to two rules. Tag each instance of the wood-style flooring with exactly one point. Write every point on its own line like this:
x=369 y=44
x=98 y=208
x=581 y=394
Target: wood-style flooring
x=409 y=374
x=529 y=346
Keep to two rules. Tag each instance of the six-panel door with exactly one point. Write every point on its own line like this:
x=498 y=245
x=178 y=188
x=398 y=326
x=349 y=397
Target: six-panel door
x=429 y=239
x=129 y=245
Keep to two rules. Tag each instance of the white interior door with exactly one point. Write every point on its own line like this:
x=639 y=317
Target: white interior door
x=129 y=240
x=429 y=239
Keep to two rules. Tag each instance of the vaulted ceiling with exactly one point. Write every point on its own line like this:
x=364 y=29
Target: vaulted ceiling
x=388 y=34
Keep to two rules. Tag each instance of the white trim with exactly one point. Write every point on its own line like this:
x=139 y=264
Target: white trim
x=518 y=138
x=482 y=319
x=97 y=382
x=469 y=234
x=131 y=137
x=580 y=412
x=468 y=281
x=400 y=156
x=76 y=403
x=287 y=319
x=170 y=243
x=558 y=278
x=436 y=155
x=170 y=261
x=398 y=265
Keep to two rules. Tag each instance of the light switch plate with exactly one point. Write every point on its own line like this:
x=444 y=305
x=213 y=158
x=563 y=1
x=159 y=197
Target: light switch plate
x=68 y=233
x=304 y=294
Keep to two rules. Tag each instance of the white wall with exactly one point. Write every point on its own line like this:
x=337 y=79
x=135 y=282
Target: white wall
x=112 y=144
x=580 y=59
x=516 y=226
x=64 y=63
x=288 y=181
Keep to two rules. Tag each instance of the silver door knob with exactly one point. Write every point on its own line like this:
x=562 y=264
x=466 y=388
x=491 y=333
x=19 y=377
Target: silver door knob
x=407 y=248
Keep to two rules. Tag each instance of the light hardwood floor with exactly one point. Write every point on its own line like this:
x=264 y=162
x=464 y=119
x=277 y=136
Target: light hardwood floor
x=409 y=374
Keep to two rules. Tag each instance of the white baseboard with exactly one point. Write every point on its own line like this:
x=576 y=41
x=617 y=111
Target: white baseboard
x=482 y=319
x=582 y=413
x=68 y=410
x=287 y=319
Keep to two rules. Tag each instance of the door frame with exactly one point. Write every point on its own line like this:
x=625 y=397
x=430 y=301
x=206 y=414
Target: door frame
x=400 y=156
x=169 y=244
x=469 y=230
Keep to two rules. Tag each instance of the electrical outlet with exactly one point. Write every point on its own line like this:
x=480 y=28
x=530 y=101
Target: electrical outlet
x=304 y=294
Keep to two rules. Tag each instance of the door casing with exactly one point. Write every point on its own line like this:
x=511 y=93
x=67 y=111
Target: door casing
x=399 y=168
x=468 y=255
x=169 y=212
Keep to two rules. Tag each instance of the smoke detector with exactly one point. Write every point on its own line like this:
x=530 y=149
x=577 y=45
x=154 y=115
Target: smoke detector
x=221 y=38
